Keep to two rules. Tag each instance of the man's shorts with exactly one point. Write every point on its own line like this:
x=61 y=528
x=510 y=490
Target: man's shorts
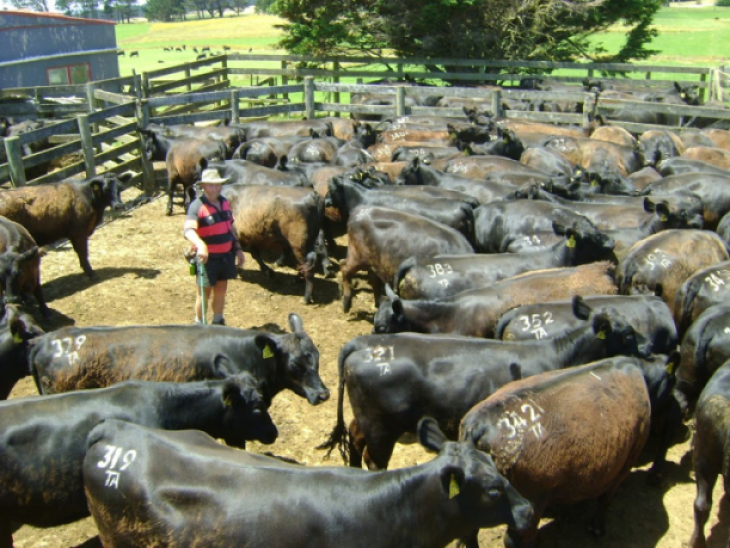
x=218 y=267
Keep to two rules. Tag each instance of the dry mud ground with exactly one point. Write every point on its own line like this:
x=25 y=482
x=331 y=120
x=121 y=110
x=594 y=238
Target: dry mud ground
x=142 y=279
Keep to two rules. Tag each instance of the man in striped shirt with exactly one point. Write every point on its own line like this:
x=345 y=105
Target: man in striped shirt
x=209 y=227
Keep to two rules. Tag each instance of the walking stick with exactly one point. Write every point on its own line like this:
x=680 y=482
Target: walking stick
x=201 y=274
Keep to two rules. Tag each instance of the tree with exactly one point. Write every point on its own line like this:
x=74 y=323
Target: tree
x=264 y=6
x=160 y=10
x=35 y=5
x=549 y=30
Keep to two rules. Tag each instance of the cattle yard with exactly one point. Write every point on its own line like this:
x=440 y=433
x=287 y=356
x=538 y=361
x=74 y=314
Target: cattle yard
x=142 y=278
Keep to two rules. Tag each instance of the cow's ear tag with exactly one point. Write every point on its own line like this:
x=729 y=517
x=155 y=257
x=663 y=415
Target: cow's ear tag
x=268 y=353
x=683 y=95
x=571 y=241
x=671 y=367
x=227 y=401
x=664 y=218
x=17 y=338
x=601 y=335
x=96 y=187
x=453 y=487
x=594 y=183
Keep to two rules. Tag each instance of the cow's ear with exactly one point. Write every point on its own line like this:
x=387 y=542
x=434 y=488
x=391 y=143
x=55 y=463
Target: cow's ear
x=672 y=363
x=221 y=366
x=430 y=435
x=677 y=87
x=558 y=228
x=295 y=323
x=649 y=206
x=581 y=310
x=452 y=480
x=97 y=186
x=267 y=345
x=602 y=326
x=231 y=392
x=658 y=290
x=662 y=210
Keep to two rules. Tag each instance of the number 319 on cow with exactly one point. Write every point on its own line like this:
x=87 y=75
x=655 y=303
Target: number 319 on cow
x=111 y=459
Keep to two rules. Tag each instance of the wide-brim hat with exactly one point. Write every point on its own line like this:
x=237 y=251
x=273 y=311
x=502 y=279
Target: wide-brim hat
x=212 y=177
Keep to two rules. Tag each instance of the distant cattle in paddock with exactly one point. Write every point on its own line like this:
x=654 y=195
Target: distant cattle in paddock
x=134 y=54
x=16 y=331
x=69 y=209
x=475 y=312
x=43 y=438
x=160 y=61
x=394 y=380
x=259 y=501
x=660 y=264
x=167 y=49
x=206 y=48
x=595 y=420
x=120 y=54
x=201 y=56
x=195 y=49
x=178 y=49
x=107 y=355
x=280 y=218
x=226 y=48
x=710 y=449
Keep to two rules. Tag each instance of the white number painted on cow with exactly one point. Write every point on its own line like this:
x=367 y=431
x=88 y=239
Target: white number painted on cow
x=528 y=419
x=658 y=258
x=718 y=278
x=68 y=347
x=363 y=213
x=381 y=356
x=536 y=323
x=111 y=459
x=438 y=269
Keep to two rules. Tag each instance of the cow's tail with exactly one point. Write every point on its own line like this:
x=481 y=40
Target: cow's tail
x=340 y=437
x=404 y=267
x=32 y=369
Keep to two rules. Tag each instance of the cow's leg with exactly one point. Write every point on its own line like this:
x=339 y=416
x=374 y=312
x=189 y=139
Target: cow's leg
x=378 y=287
x=256 y=254
x=188 y=196
x=348 y=270
x=38 y=294
x=671 y=423
x=6 y=534
x=379 y=450
x=598 y=523
x=81 y=247
x=171 y=184
x=307 y=269
x=357 y=444
x=470 y=541
x=526 y=538
x=329 y=269
x=705 y=477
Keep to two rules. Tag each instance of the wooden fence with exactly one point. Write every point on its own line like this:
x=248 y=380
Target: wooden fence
x=106 y=134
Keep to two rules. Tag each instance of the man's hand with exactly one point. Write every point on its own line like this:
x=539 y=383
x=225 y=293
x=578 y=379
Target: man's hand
x=240 y=258
x=202 y=253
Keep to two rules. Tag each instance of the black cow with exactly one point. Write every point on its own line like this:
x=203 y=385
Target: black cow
x=710 y=450
x=16 y=331
x=43 y=438
x=445 y=275
x=75 y=358
x=20 y=265
x=394 y=380
x=68 y=209
x=705 y=288
x=376 y=243
x=183 y=489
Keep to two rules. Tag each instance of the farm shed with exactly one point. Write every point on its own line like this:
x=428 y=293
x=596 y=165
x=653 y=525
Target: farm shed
x=41 y=49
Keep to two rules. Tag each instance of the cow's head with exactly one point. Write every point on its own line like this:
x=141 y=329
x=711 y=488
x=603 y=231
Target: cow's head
x=16 y=329
x=106 y=189
x=13 y=264
x=245 y=412
x=297 y=361
x=617 y=335
x=584 y=244
x=390 y=317
x=470 y=478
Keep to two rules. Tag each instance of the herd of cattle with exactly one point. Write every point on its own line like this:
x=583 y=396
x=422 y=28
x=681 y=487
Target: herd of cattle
x=546 y=297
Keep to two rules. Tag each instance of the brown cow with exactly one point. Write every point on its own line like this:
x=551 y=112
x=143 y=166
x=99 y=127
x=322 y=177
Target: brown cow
x=614 y=134
x=705 y=288
x=565 y=436
x=68 y=209
x=278 y=217
x=475 y=312
x=712 y=155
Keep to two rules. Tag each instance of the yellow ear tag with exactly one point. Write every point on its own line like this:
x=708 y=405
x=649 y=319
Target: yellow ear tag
x=227 y=401
x=17 y=338
x=267 y=352
x=571 y=242
x=664 y=218
x=601 y=335
x=670 y=368
x=453 y=487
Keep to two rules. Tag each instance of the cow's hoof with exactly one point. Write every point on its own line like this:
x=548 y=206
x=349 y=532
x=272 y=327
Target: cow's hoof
x=168 y=212
x=654 y=478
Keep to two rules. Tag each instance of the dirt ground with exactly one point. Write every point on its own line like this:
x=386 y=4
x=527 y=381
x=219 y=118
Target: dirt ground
x=142 y=279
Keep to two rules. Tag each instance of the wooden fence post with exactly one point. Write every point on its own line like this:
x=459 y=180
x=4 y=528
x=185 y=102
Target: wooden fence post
x=703 y=79
x=309 y=97
x=149 y=181
x=497 y=103
x=87 y=145
x=92 y=102
x=336 y=80
x=400 y=101
x=15 y=161
x=235 y=113
x=145 y=85
x=285 y=79
x=143 y=113
x=187 y=77
x=589 y=106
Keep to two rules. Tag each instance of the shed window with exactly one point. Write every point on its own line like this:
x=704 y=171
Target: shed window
x=71 y=74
